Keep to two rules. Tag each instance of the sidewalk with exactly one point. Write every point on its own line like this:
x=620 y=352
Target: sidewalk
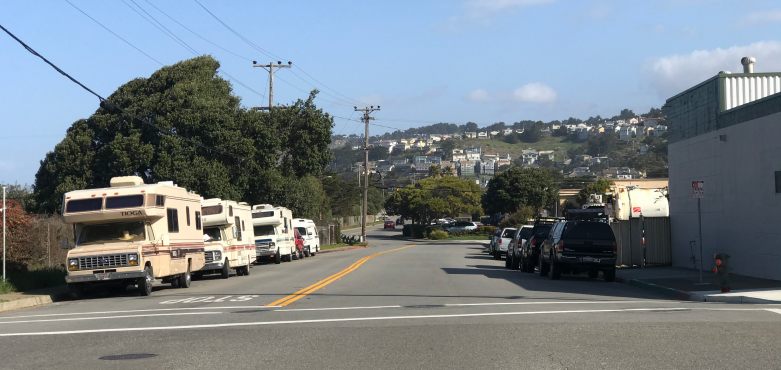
x=32 y=298
x=682 y=283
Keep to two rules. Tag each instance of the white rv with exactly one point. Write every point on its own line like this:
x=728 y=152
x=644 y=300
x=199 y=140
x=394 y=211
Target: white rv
x=132 y=233
x=308 y=230
x=228 y=242
x=274 y=237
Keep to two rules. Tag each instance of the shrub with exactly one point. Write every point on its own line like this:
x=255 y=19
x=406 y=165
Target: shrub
x=519 y=218
x=6 y=287
x=418 y=231
x=407 y=230
x=438 y=235
x=37 y=279
x=430 y=229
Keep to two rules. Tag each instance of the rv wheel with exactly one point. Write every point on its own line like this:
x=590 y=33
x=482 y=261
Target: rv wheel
x=277 y=258
x=75 y=291
x=185 y=279
x=145 y=283
x=226 y=269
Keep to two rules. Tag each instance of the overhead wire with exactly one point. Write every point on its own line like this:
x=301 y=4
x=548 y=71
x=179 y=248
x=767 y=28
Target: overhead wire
x=109 y=106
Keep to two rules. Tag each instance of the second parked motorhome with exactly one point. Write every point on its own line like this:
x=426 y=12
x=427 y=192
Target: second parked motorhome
x=132 y=234
x=308 y=230
x=274 y=237
x=229 y=243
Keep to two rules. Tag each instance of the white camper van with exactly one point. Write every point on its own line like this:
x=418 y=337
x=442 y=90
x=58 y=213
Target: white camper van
x=132 y=233
x=308 y=230
x=274 y=237
x=228 y=242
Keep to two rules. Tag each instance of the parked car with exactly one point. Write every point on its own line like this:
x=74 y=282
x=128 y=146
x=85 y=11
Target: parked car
x=493 y=220
x=459 y=226
x=494 y=240
x=513 y=256
x=389 y=225
x=530 y=251
x=399 y=221
x=574 y=247
x=504 y=240
x=299 y=251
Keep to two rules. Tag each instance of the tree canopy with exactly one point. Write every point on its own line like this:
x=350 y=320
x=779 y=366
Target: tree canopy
x=600 y=186
x=434 y=198
x=259 y=156
x=517 y=187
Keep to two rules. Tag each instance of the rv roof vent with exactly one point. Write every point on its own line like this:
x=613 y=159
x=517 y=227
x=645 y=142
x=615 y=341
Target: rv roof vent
x=117 y=182
x=243 y=203
x=262 y=206
x=213 y=200
x=169 y=183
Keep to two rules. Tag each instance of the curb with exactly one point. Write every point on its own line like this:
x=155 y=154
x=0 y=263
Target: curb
x=342 y=249
x=18 y=304
x=691 y=296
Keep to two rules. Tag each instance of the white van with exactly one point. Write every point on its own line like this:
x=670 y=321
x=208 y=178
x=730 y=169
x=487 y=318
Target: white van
x=274 y=237
x=228 y=242
x=308 y=230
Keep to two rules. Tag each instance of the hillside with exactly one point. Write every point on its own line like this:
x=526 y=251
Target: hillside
x=490 y=146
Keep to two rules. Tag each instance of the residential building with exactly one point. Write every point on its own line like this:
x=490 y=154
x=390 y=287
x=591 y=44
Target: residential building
x=494 y=133
x=582 y=158
x=583 y=132
x=505 y=156
x=470 y=135
x=466 y=168
x=500 y=163
x=386 y=167
x=458 y=151
x=474 y=149
x=450 y=164
x=472 y=156
x=644 y=149
x=565 y=162
x=627 y=132
x=482 y=135
x=488 y=167
x=623 y=177
x=652 y=122
x=633 y=121
x=459 y=157
x=597 y=160
x=519 y=131
x=490 y=157
x=507 y=131
x=400 y=161
x=725 y=132
x=660 y=130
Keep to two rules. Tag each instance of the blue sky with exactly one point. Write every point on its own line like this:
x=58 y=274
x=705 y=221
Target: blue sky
x=423 y=61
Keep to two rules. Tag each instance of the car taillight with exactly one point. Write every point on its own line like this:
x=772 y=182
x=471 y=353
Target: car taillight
x=615 y=247
x=534 y=241
x=560 y=246
x=500 y=241
x=520 y=244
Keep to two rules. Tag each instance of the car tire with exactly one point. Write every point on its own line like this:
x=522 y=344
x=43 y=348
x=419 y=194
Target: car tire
x=554 y=269
x=145 y=283
x=507 y=260
x=497 y=255
x=226 y=269
x=246 y=270
x=593 y=274
x=543 y=267
x=185 y=279
x=610 y=275
x=75 y=291
x=524 y=264
x=277 y=258
x=515 y=264
x=307 y=253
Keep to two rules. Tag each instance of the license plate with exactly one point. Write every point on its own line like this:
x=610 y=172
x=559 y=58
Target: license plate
x=589 y=259
x=102 y=276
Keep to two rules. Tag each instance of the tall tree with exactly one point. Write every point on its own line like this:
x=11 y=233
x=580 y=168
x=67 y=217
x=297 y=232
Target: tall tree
x=447 y=147
x=600 y=186
x=432 y=198
x=517 y=187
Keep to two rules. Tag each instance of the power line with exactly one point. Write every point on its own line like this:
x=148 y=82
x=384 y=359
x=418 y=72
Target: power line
x=347 y=120
x=172 y=37
x=190 y=48
x=109 y=106
x=112 y=32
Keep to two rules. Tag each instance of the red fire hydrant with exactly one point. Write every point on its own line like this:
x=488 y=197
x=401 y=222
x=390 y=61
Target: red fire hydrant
x=722 y=269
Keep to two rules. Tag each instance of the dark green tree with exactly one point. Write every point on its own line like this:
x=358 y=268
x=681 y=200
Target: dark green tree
x=532 y=134
x=600 y=186
x=447 y=147
x=433 y=198
x=470 y=127
x=517 y=187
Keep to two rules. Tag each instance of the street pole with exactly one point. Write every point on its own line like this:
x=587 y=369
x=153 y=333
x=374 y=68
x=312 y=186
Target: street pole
x=4 y=232
x=366 y=118
x=271 y=67
x=699 y=218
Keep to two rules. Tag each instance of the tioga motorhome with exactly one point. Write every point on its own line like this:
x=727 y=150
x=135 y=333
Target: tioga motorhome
x=228 y=243
x=132 y=233
x=274 y=237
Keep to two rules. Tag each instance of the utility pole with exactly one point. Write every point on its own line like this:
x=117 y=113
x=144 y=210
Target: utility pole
x=4 y=232
x=271 y=67
x=366 y=118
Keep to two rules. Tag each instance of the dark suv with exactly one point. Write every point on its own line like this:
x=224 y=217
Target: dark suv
x=574 y=247
x=530 y=250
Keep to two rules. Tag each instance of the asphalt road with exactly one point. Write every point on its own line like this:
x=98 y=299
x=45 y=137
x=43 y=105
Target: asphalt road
x=431 y=305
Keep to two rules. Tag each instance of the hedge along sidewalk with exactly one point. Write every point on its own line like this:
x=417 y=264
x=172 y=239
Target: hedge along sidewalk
x=32 y=298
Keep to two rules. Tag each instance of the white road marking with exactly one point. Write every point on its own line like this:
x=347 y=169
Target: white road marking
x=546 y=302
x=259 y=323
x=333 y=308
x=129 y=311
x=111 y=317
x=776 y=310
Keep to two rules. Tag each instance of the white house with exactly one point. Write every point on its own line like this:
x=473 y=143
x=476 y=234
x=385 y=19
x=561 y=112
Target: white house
x=660 y=130
x=583 y=132
x=482 y=135
x=627 y=132
x=547 y=154
x=507 y=131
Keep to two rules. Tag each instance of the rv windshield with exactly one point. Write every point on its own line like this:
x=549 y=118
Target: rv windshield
x=212 y=234
x=264 y=230
x=112 y=232
x=301 y=230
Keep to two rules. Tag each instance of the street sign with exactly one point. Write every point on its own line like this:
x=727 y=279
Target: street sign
x=544 y=213
x=609 y=209
x=698 y=189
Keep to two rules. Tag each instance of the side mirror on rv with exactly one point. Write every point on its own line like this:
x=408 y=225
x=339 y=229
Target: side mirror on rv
x=165 y=239
x=64 y=244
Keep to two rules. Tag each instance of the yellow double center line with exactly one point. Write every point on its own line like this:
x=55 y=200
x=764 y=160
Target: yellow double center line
x=305 y=291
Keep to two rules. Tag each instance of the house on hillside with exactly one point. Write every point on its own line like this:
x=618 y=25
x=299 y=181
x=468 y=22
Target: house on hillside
x=466 y=168
x=488 y=167
x=627 y=132
x=660 y=130
x=470 y=135
x=549 y=154
x=507 y=131
x=482 y=135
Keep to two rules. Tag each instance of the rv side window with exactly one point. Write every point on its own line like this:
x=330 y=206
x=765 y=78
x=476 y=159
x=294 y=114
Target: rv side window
x=230 y=211
x=187 y=210
x=160 y=201
x=173 y=220
x=238 y=228
x=149 y=232
x=84 y=205
x=242 y=226
x=197 y=220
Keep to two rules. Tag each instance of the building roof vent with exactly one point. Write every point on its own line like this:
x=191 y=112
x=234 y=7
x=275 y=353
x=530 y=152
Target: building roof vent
x=117 y=182
x=748 y=64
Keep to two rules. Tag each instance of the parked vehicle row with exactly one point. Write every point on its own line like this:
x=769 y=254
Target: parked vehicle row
x=133 y=233
x=553 y=246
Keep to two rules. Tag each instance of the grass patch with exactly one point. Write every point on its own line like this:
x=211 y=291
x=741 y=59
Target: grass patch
x=6 y=287
x=35 y=279
x=341 y=245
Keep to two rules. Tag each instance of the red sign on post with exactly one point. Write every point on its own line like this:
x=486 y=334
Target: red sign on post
x=698 y=189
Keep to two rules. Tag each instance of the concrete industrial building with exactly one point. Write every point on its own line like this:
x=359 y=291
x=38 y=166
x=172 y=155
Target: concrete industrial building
x=725 y=132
